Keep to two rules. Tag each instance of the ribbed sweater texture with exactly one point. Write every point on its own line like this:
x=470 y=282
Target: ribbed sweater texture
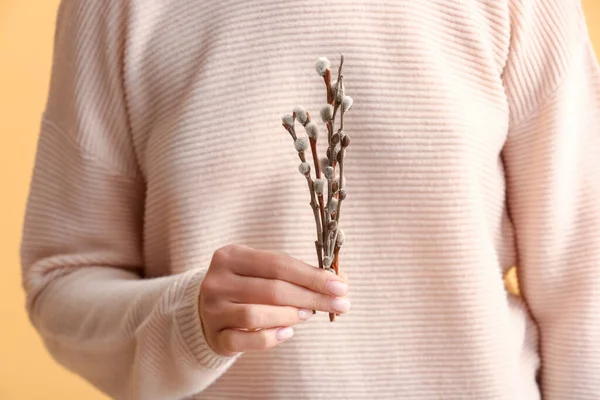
x=475 y=146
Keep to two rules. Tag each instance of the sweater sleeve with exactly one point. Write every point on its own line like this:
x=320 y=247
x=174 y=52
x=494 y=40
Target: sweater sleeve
x=552 y=160
x=81 y=251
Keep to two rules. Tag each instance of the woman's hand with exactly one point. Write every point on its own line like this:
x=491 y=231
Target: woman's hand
x=250 y=299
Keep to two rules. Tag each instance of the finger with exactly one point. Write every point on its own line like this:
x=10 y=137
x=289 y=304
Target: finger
x=231 y=341
x=262 y=264
x=344 y=277
x=256 y=316
x=248 y=290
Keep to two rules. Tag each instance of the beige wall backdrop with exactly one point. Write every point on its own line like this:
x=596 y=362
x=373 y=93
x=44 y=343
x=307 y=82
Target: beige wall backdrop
x=26 y=33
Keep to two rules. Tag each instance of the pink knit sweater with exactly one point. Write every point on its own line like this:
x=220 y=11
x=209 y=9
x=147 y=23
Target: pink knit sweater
x=476 y=146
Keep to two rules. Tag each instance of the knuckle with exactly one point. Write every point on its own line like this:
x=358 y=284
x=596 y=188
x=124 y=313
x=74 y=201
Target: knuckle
x=281 y=266
x=252 y=319
x=209 y=286
x=222 y=256
x=290 y=316
x=228 y=344
x=318 y=280
x=225 y=255
x=320 y=302
x=213 y=316
x=211 y=311
x=276 y=295
x=213 y=342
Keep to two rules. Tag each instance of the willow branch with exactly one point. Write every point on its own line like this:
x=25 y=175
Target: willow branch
x=337 y=99
x=315 y=208
x=315 y=156
x=326 y=210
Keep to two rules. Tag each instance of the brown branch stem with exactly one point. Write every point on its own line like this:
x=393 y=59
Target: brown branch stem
x=336 y=259
x=340 y=199
x=327 y=79
x=315 y=208
x=336 y=251
x=336 y=267
x=315 y=155
x=313 y=149
x=322 y=209
x=341 y=155
x=328 y=214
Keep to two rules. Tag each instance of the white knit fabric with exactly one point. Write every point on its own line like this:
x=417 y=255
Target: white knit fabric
x=475 y=143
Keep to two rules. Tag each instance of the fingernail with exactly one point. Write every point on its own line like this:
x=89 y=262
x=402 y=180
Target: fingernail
x=340 y=305
x=284 y=334
x=305 y=314
x=337 y=288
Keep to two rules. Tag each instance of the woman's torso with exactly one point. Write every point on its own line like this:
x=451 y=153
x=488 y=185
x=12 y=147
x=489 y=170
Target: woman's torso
x=428 y=231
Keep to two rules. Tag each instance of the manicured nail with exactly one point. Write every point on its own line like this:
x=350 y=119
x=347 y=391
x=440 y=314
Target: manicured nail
x=337 y=288
x=284 y=334
x=305 y=314
x=340 y=305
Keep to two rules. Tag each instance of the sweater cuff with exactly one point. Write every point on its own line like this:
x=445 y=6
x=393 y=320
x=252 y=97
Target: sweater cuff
x=191 y=334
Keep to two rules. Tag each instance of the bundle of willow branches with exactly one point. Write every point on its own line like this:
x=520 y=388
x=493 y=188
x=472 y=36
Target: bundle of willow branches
x=330 y=237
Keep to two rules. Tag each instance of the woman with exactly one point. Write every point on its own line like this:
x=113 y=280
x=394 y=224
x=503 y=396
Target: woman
x=164 y=198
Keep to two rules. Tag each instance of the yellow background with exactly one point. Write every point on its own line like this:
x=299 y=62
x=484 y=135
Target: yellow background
x=26 y=34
